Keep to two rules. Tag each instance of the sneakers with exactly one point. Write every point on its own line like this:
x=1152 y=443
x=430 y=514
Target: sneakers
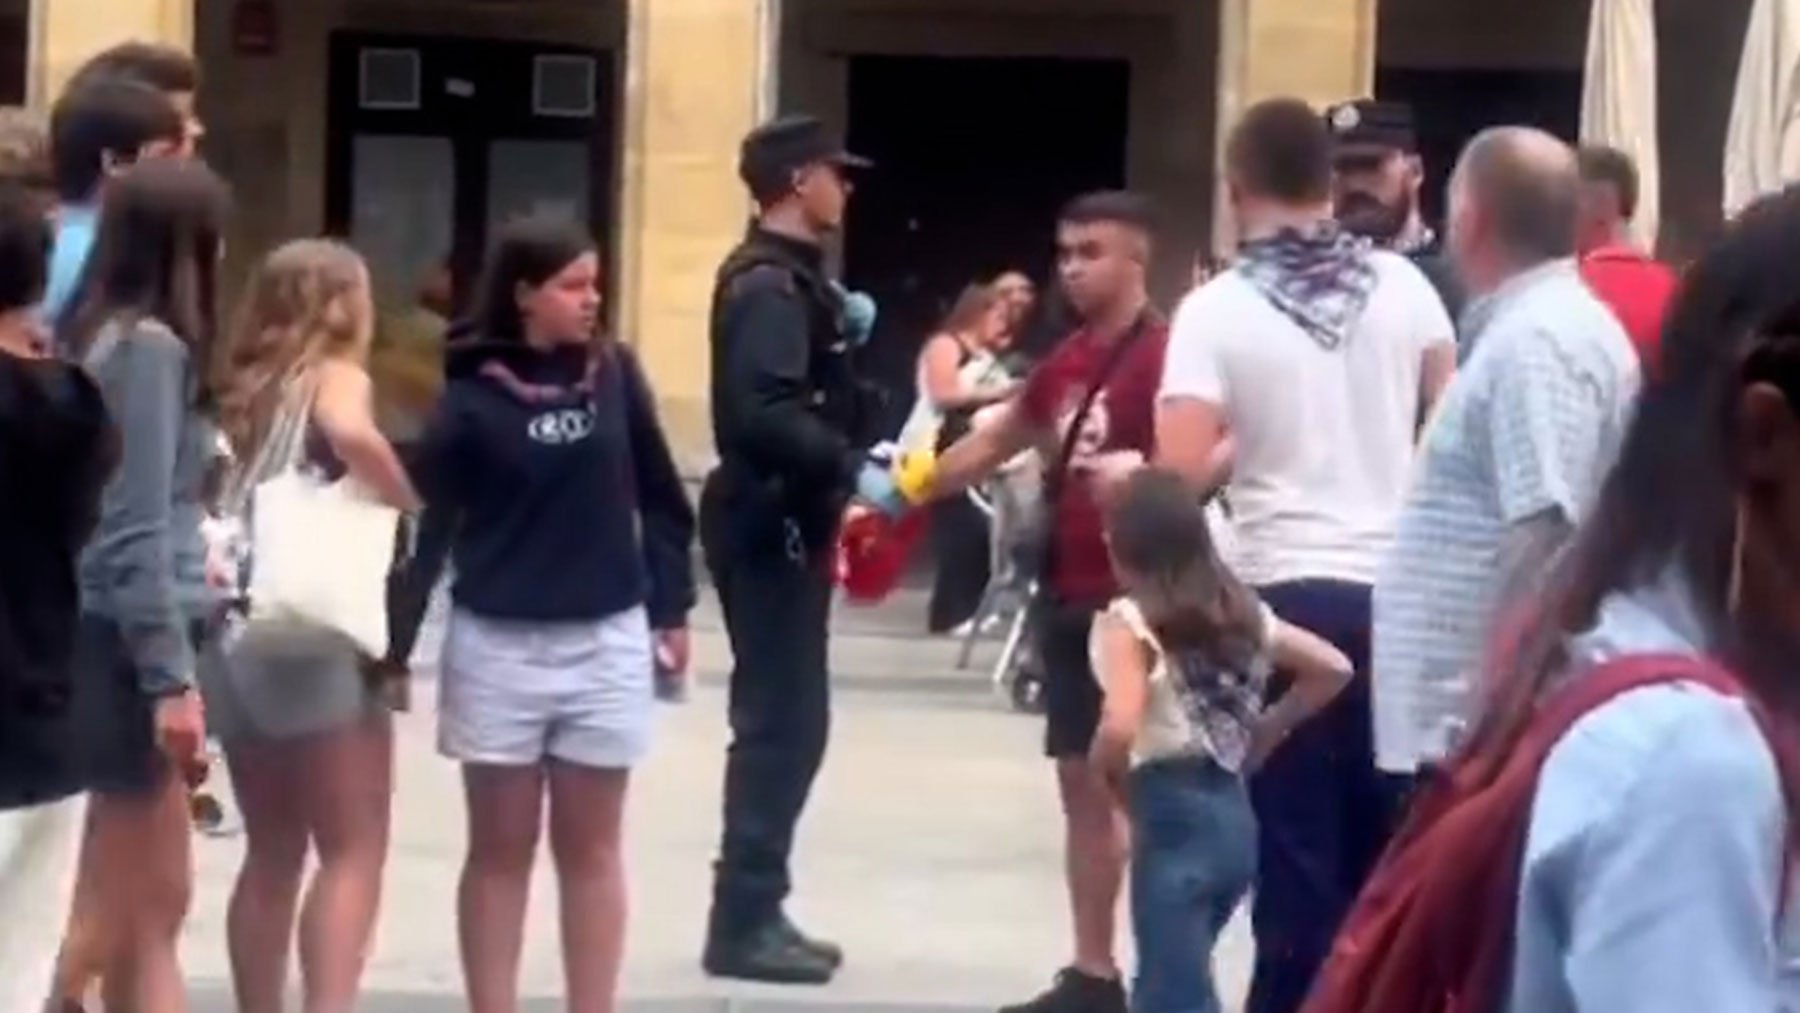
x=1076 y=992
x=776 y=951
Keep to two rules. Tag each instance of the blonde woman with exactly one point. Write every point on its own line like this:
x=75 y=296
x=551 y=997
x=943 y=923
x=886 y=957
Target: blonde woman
x=306 y=734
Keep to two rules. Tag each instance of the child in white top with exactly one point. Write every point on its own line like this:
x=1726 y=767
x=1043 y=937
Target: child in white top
x=1185 y=657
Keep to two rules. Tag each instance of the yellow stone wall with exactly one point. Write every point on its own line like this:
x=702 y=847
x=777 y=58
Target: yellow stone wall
x=693 y=88
x=64 y=33
x=1322 y=51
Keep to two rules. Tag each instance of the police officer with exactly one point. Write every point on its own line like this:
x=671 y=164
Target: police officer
x=790 y=422
x=1377 y=175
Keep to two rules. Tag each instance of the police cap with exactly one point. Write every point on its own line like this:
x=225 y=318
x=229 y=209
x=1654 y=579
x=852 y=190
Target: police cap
x=1367 y=127
x=773 y=152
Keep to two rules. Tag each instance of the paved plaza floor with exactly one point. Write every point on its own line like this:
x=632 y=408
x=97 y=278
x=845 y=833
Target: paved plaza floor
x=931 y=851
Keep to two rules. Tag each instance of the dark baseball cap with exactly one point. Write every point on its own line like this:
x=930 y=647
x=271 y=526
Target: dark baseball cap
x=772 y=152
x=1369 y=127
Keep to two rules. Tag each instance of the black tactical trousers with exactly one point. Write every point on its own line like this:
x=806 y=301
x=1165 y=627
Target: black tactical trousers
x=777 y=605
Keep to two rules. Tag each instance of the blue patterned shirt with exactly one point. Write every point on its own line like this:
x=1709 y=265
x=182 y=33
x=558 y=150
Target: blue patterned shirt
x=1528 y=427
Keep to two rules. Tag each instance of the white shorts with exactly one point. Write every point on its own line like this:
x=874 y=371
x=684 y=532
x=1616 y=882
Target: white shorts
x=516 y=693
x=39 y=850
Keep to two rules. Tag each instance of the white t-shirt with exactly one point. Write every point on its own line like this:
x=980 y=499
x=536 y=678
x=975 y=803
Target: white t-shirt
x=1324 y=436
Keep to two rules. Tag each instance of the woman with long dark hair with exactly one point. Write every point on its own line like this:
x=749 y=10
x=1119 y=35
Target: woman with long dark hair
x=547 y=447
x=143 y=322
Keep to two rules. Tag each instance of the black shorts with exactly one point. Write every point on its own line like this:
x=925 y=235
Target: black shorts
x=114 y=722
x=1071 y=692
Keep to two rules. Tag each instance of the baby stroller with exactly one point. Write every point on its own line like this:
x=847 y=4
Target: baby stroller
x=1010 y=501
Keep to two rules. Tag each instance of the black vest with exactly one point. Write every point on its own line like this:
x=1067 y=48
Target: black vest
x=835 y=394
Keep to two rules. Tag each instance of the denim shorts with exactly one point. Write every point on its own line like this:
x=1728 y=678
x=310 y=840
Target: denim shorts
x=1193 y=859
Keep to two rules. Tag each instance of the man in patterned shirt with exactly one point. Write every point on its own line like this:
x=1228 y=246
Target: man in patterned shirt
x=1518 y=448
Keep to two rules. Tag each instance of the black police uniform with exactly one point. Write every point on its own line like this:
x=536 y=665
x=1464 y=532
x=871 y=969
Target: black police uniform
x=790 y=425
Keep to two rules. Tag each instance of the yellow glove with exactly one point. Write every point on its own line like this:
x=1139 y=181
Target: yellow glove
x=915 y=472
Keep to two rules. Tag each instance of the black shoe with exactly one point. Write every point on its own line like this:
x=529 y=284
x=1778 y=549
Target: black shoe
x=1076 y=992
x=773 y=952
x=832 y=952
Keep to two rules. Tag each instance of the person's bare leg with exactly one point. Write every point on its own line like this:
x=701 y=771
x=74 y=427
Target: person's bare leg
x=348 y=802
x=1095 y=854
x=146 y=851
x=266 y=780
x=506 y=813
x=587 y=810
x=89 y=938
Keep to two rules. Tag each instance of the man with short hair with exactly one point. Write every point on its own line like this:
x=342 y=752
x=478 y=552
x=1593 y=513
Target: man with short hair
x=1634 y=286
x=97 y=130
x=791 y=424
x=1376 y=178
x=1085 y=404
x=169 y=69
x=1518 y=449
x=1320 y=356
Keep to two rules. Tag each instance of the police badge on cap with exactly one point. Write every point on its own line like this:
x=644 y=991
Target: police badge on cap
x=1372 y=127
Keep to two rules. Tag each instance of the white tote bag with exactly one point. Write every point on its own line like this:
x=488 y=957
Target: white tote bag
x=320 y=551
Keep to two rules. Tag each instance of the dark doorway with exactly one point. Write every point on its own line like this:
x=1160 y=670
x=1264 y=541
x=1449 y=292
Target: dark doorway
x=431 y=141
x=1452 y=106
x=974 y=157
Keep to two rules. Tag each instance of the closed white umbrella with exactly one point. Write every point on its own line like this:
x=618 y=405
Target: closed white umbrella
x=1618 y=97
x=1762 y=145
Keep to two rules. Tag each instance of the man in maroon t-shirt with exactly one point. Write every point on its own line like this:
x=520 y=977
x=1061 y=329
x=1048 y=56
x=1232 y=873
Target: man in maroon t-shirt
x=1636 y=288
x=1103 y=252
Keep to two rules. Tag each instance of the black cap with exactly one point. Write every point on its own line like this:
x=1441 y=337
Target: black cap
x=1372 y=126
x=772 y=152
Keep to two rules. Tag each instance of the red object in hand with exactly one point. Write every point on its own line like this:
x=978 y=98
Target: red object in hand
x=873 y=550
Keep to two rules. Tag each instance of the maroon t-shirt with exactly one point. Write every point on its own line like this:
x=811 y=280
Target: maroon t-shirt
x=1123 y=417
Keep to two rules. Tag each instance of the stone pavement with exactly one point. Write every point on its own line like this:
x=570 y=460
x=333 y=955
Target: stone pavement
x=931 y=850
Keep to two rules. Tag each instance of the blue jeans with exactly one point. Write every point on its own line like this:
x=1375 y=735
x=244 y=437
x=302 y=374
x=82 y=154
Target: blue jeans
x=1193 y=856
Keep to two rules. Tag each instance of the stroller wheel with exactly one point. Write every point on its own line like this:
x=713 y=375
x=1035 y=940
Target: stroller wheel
x=1027 y=692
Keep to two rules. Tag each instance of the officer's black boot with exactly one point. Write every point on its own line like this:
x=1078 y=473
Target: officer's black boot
x=832 y=952
x=770 y=951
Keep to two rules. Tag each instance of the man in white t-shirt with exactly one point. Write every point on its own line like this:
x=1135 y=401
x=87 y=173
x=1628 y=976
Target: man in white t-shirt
x=1321 y=356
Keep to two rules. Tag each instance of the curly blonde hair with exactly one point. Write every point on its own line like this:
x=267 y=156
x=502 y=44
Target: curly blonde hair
x=307 y=303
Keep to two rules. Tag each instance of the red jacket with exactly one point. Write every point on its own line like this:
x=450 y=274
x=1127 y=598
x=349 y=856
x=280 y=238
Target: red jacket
x=1638 y=290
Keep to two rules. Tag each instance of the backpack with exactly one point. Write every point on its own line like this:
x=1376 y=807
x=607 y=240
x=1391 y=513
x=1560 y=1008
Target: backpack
x=1432 y=930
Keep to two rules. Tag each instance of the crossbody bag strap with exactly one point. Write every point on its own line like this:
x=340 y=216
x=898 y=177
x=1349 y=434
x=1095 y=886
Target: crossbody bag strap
x=1054 y=478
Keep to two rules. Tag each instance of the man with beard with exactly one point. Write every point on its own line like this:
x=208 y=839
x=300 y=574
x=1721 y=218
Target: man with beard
x=1376 y=176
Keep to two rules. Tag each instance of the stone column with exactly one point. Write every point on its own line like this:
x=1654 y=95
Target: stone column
x=1319 y=50
x=697 y=78
x=65 y=33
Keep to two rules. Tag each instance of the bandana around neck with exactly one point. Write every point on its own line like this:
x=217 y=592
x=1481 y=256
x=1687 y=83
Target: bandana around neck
x=1318 y=276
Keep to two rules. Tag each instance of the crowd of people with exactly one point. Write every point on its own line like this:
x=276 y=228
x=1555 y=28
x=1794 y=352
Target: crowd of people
x=155 y=455
x=1327 y=554
x=1414 y=443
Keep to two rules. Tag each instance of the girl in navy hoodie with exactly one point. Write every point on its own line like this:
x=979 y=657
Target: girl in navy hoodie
x=571 y=559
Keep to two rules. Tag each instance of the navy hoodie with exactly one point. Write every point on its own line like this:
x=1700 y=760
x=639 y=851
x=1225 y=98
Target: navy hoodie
x=567 y=503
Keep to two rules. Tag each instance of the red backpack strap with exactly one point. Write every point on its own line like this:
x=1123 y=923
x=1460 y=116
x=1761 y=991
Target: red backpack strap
x=1602 y=682
x=1612 y=678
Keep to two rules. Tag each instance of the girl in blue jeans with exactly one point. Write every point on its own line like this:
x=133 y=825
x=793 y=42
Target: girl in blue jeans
x=1184 y=657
